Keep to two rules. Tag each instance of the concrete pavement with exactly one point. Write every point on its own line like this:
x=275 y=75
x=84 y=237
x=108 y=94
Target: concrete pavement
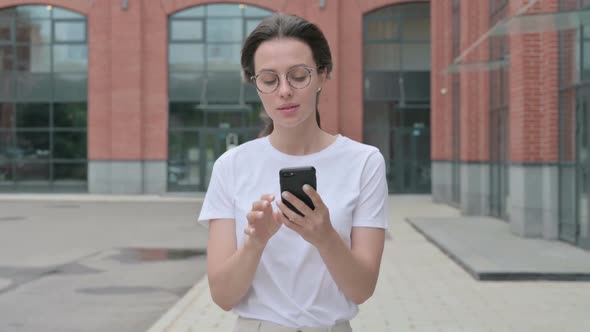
x=422 y=289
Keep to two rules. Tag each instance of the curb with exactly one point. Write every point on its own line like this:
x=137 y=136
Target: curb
x=99 y=198
x=167 y=322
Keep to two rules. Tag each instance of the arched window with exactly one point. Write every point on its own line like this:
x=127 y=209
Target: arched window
x=43 y=99
x=397 y=92
x=211 y=108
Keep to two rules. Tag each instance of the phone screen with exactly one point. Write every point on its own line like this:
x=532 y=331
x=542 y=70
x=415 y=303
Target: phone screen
x=293 y=179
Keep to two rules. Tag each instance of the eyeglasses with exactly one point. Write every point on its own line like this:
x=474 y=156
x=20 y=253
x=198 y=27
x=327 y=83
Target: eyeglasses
x=268 y=81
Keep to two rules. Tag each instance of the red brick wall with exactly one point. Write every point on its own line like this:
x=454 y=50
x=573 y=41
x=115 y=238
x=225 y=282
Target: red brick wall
x=441 y=84
x=534 y=92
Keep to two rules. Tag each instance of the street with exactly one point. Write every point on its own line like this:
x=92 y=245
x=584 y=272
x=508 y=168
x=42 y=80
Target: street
x=96 y=266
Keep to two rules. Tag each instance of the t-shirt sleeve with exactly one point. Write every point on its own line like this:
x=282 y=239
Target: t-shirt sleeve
x=372 y=205
x=218 y=202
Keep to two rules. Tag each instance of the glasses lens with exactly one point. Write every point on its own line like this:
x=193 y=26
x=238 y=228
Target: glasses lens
x=298 y=77
x=267 y=82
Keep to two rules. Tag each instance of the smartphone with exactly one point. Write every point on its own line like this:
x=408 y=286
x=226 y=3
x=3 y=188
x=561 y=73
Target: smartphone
x=293 y=179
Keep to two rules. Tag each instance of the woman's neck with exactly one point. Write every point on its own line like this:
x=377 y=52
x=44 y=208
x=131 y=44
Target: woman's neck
x=300 y=141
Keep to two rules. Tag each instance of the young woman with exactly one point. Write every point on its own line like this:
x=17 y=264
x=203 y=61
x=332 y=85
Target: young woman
x=278 y=270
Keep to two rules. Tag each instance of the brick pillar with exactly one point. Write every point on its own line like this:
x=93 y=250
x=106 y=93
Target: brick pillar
x=534 y=129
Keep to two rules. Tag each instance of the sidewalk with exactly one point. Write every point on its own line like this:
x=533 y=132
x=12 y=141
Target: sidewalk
x=422 y=289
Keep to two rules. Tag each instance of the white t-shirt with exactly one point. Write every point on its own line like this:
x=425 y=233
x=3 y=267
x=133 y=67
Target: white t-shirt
x=292 y=285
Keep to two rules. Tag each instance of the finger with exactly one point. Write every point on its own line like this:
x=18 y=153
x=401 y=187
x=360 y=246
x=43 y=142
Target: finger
x=253 y=216
x=313 y=195
x=268 y=197
x=297 y=203
x=260 y=205
x=285 y=221
x=289 y=215
x=249 y=230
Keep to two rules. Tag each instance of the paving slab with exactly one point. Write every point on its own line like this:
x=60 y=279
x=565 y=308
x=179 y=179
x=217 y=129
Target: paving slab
x=487 y=249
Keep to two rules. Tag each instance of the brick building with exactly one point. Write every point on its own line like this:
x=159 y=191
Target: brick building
x=481 y=102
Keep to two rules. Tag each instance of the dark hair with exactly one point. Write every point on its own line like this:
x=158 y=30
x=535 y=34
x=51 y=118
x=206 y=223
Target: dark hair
x=286 y=26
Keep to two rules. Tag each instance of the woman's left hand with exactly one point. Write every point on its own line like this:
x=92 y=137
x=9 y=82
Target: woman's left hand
x=315 y=225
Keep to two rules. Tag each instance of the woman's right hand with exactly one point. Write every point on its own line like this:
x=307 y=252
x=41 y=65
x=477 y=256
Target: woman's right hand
x=263 y=222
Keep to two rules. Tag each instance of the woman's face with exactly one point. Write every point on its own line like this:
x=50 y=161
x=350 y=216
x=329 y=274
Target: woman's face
x=291 y=104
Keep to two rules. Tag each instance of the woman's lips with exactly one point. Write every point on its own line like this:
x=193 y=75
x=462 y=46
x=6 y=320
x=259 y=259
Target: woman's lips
x=288 y=109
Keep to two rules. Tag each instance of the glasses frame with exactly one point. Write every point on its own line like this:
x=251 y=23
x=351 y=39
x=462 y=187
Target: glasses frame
x=308 y=69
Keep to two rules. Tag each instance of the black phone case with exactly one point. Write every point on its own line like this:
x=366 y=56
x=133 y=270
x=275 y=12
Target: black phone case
x=293 y=179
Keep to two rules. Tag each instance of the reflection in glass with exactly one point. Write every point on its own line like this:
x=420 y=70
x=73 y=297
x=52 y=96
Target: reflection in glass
x=32 y=115
x=69 y=145
x=224 y=30
x=383 y=56
x=70 y=58
x=186 y=30
x=381 y=29
x=33 y=32
x=223 y=57
x=7 y=115
x=186 y=57
x=70 y=31
x=34 y=58
x=70 y=115
x=33 y=144
x=69 y=171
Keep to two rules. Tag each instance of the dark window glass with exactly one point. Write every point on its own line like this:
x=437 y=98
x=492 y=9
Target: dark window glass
x=71 y=115
x=224 y=30
x=186 y=57
x=69 y=171
x=32 y=115
x=31 y=171
x=69 y=145
x=183 y=145
x=7 y=116
x=33 y=145
x=33 y=86
x=6 y=58
x=5 y=31
x=185 y=115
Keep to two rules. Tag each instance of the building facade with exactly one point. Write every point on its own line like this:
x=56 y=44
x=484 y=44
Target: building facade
x=131 y=96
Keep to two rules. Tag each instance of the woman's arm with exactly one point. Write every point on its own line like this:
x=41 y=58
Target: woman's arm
x=231 y=270
x=355 y=270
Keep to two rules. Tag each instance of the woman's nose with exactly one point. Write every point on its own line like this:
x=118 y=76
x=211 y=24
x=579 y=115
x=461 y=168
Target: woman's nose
x=285 y=89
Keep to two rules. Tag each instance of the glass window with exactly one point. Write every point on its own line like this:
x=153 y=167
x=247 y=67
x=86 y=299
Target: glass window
x=382 y=29
x=70 y=31
x=33 y=144
x=5 y=31
x=69 y=145
x=44 y=64
x=70 y=115
x=7 y=116
x=229 y=9
x=70 y=87
x=186 y=57
x=417 y=29
x=33 y=32
x=6 y=58
x=186 y=30
x=223 y=57
x=382 y=56
x=70 y=58
x=69 y=171
x=182 y=145
x=416 y=57
x=185 y=115
x=224 y=30
x=64 y=13
x=198 y=11
x=33 y=58
x=33 y=11
x=32 y=115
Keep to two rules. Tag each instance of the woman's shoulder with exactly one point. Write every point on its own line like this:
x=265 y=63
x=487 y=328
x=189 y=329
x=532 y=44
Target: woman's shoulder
x=357 y=147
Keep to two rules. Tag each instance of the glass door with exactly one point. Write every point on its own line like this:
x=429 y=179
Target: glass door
x=583 y=168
